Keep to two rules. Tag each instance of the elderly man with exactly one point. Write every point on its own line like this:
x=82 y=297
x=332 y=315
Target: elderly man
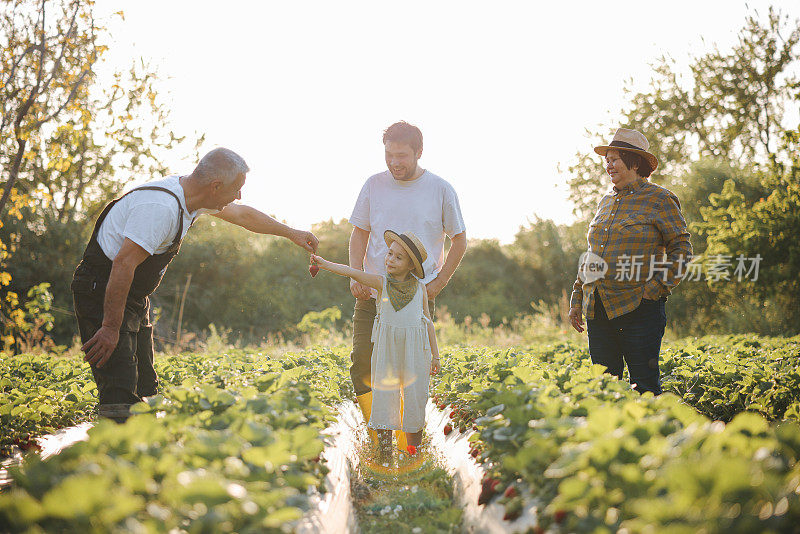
x=134 y=239
x=406 y=198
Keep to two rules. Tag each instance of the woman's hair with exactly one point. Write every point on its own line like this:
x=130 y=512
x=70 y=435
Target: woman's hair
x=402 y=132
x=632 y=159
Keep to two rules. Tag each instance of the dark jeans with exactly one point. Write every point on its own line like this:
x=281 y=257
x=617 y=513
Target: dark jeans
x=361 y=356
x=634 y=337
x=128 y=374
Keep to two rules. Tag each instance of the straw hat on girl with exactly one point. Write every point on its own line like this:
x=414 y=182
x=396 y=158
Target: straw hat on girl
x=411 y=243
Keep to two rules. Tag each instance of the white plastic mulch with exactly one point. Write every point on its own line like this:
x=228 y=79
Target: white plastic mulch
x=332 y=512
x=467 y=478
x=49 y=445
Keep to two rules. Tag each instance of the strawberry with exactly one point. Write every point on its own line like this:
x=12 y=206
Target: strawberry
x=442 y=406
x=475 y=453
x=511 y=491
x=513 y=509
x=412 y=450
x=29 y=444
x=488 y=490
x=453 y=413
x=447 y=429
x=559 y=516
x=313 y=269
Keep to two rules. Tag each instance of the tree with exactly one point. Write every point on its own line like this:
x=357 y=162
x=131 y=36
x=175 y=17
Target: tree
x=487 y=281
x=119 y=132
x=548 y=254
x=102 y=134
x=735 y=224
x=249 y=283
x=731 y=108
x=105 y=133
x=47 y=57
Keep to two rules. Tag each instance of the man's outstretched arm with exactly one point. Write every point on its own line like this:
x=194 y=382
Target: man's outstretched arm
x=261 y=223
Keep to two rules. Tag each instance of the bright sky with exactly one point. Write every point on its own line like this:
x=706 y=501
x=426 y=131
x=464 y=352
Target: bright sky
x=502 y=91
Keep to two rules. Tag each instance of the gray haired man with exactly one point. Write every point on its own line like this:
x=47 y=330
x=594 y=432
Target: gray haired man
x=134 y=239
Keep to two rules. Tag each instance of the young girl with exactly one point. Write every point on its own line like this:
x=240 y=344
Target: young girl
x=405 y=352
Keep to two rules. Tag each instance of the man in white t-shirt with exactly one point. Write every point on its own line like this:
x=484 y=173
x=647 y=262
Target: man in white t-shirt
x=133 y=242
x=405 y=198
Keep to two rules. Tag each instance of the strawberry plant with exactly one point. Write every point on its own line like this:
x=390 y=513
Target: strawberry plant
x=40 y=394
x=231 y=444
x=602 y=457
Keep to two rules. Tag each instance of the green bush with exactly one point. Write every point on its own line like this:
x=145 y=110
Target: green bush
x=602 y=458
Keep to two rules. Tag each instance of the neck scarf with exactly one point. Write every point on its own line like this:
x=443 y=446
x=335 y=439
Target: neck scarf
x=401 y=293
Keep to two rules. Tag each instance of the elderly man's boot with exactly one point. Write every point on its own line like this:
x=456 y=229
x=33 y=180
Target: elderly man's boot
x=116 y=412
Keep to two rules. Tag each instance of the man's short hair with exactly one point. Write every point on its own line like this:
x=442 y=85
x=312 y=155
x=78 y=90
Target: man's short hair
x=632 y=159
x=221 y=164
x=403 y=132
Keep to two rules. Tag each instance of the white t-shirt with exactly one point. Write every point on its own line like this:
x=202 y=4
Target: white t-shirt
x=148 y=218
x=427 y=206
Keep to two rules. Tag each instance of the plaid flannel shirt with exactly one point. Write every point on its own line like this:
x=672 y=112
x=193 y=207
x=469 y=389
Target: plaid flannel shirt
x=640 y=232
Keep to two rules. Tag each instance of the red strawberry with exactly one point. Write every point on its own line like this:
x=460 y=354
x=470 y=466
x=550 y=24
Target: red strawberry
x=313 y=269
x=559 y=516
x=513 y=510
x=447 y=429
x=453 y=414
x=29 y=444
x=488 y=490
x=442 y=406
x=511 y=491
x=475 y=453
x=412 y=450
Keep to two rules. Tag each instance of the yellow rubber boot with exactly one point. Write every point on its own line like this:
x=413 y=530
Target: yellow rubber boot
x=399 y=435
x=365 y=403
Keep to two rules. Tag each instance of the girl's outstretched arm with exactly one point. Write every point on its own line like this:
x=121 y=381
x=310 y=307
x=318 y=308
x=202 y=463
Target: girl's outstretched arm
x=372 y=280
x=435 y=364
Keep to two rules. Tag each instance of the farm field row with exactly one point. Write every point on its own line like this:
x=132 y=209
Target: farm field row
x=599 y=457
x=233 y=439
x=231 y=445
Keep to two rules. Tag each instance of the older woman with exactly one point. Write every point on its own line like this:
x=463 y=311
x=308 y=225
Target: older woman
x=638 y=246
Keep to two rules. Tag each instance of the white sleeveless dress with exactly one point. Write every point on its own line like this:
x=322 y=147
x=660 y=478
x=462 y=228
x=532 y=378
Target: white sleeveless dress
x=401 y=364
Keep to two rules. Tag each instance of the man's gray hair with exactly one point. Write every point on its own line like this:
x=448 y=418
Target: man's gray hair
x=221 y=164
